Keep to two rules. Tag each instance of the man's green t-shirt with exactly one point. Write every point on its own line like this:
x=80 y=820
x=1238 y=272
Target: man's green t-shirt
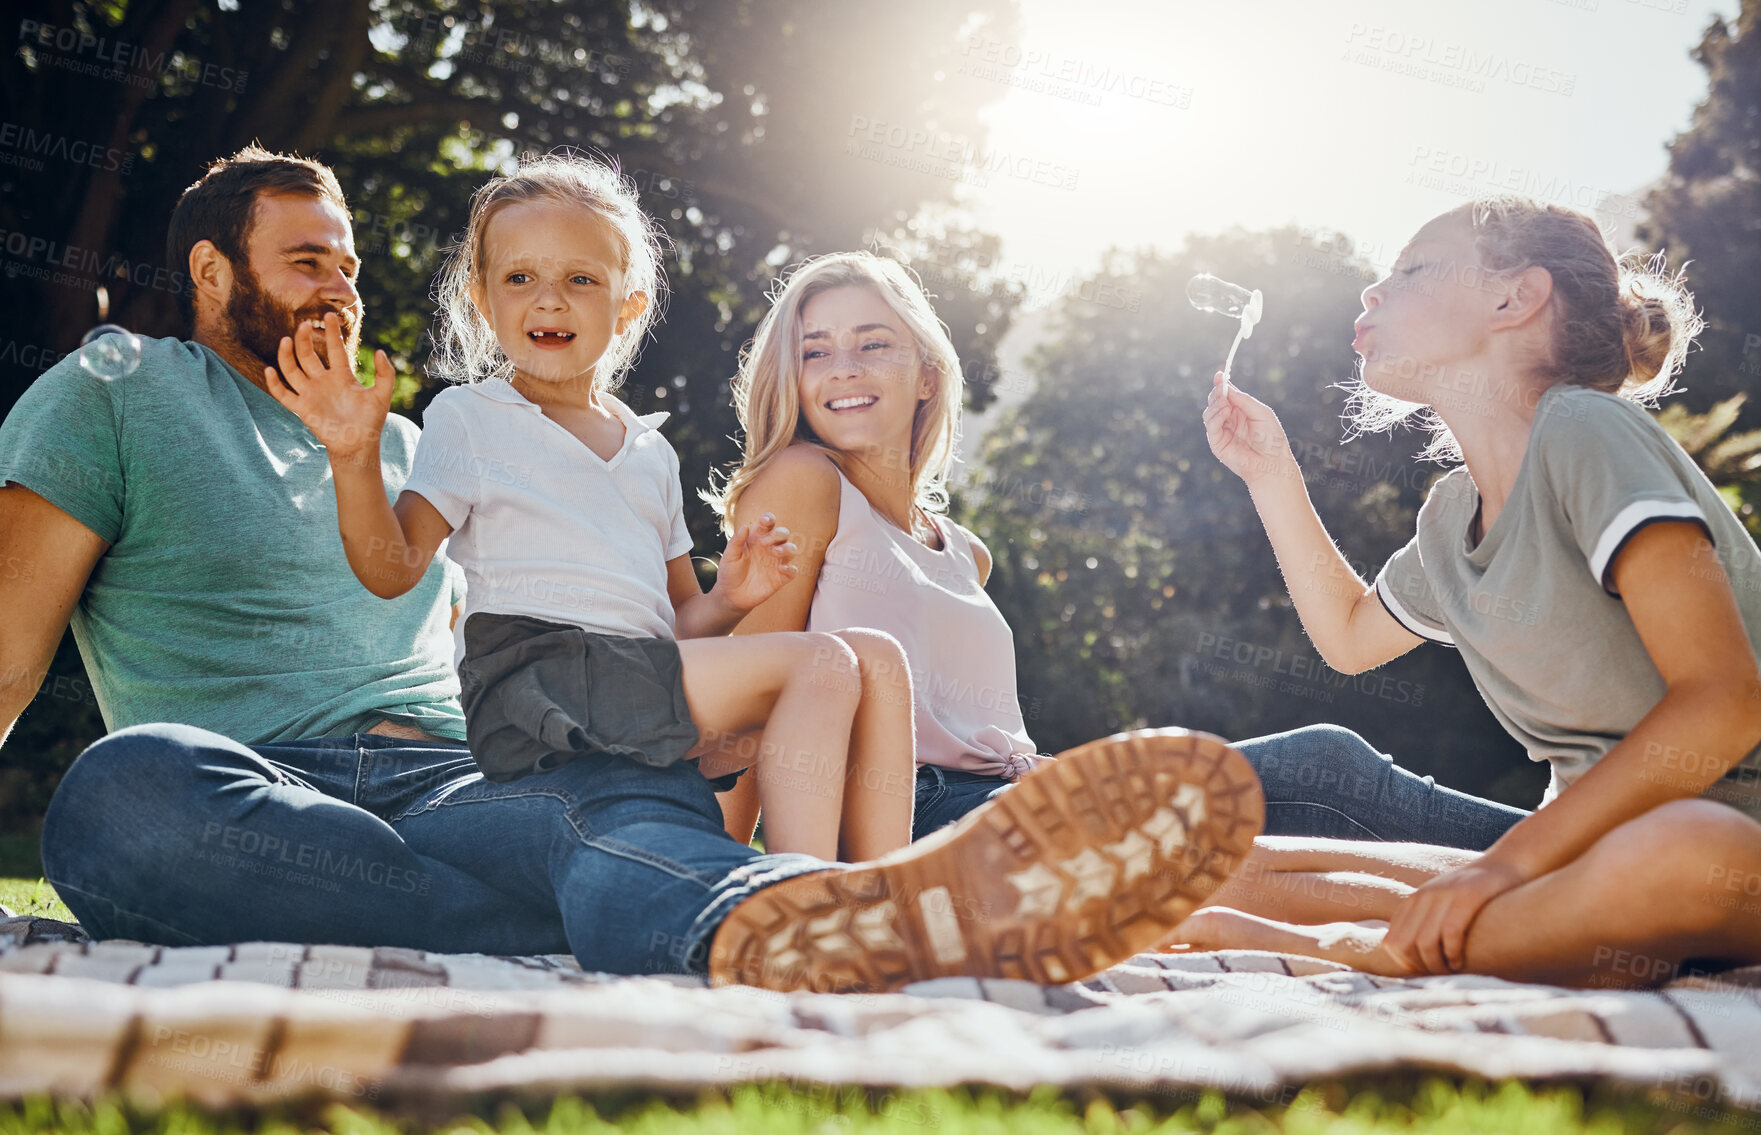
x=225 y=600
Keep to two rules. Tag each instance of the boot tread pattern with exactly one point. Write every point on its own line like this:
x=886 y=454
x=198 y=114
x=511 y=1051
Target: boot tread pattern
x=1087 y=861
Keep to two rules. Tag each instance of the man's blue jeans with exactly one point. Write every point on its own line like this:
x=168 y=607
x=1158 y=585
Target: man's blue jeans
x=1326 y=781
x=178 y=836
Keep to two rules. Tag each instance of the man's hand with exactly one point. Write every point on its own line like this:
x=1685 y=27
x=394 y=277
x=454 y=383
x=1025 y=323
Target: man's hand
x=341 y=413
x=758 y=562
x=1430 y=927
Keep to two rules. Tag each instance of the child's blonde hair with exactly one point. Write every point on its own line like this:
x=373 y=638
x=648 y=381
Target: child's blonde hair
x=465 y=348
x=1621 y=323
x=767 y=389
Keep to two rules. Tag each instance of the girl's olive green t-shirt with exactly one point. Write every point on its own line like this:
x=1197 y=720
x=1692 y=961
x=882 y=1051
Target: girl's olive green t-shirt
x=1533 y=606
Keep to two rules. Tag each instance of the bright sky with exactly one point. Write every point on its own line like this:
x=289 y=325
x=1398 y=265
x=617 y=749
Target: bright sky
x=1363 y=116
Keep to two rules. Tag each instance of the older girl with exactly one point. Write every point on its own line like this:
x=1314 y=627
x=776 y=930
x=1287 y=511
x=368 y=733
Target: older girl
x=1582 y=565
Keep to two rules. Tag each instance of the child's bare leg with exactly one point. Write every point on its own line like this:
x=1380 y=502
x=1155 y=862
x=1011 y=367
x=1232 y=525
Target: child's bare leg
x=802 y=689
x=1307 y=896
x=1413 y=863
x=1308 y=880
x=881 y=785
x=1670 y=885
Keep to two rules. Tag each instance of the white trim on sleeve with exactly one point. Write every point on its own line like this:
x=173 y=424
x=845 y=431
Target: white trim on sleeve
x=1404 y=617
x=1629 y=520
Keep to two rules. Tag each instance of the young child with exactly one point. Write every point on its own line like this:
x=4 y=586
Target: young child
x=585 y=632
x=1582 y=566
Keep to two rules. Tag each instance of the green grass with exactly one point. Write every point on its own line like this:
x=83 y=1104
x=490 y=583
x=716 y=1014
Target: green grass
x=22 y=887
x=1432 y=1106
x=33 y=897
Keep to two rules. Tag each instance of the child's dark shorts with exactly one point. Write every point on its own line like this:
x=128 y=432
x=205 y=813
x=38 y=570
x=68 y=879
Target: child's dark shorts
x=538 y=694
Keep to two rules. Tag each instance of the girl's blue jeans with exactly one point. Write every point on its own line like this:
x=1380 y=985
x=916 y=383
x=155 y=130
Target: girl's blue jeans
x=1322 y=780
x=1319 y=781
x=178 y=836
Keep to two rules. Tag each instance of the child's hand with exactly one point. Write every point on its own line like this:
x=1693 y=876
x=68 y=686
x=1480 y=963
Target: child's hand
x=1428 y=933
x=1245 y=434
x=341 y=413
x=758 y=562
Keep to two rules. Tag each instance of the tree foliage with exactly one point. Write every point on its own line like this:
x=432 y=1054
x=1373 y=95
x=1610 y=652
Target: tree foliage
x=735 y=118
x=1707 y=213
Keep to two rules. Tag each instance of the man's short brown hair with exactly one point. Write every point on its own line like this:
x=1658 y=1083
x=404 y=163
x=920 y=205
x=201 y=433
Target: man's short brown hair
x=220 y=206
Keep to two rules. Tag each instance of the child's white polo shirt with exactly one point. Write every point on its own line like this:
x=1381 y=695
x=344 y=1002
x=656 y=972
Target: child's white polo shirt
x=542 y=525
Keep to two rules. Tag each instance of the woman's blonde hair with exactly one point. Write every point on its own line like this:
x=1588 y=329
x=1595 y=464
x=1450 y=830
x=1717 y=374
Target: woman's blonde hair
x=465 y=347
x=767 y=389
x=1621 y=323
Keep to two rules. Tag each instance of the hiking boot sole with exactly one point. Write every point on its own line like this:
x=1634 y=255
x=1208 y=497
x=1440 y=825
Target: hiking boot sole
x=1087 y=861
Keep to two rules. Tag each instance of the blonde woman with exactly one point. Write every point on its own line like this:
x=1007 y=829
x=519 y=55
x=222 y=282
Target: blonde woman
x=851 y=393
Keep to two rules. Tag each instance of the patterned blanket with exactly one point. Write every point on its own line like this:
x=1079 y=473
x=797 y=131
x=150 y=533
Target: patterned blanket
x=266 y=1021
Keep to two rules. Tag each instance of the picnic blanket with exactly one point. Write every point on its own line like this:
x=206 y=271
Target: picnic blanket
x=268 y=1021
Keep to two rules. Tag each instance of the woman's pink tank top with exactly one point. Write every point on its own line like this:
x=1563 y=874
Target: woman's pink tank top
x=960 y=649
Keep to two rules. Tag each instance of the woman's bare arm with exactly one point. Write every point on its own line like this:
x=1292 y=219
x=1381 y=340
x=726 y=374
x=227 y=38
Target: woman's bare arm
x=799 y=488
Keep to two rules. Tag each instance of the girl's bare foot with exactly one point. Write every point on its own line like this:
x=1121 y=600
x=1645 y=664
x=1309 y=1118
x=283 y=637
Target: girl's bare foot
x=1354 y=944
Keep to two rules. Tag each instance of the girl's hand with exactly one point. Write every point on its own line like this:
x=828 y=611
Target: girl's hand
x=1245 y=434
x=341 y=413
x=758 y=562
x=1430 y=927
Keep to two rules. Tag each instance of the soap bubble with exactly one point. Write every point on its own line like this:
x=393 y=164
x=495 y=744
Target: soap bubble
x=1208 y=293
x=108 y=351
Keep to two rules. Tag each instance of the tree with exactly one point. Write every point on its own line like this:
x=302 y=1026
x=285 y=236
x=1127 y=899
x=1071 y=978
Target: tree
x=758 y=133
x=737 y=119
x=1707 y=213
x=1132 y=566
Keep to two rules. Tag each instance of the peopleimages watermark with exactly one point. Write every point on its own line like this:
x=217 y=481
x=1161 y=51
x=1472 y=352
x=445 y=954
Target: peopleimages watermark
x=1449 y=64
x=1065 y=76
x=1751 y=363
x=237 y=1061
x=303 y=864
x=1297 y=672
x=1039 y=284
x=25 y=147
x=33 y=356
x=120 y=61
x=1473 y=175
x=499 y=44
x=40 y=258
x=941 y=154
x=382 y=232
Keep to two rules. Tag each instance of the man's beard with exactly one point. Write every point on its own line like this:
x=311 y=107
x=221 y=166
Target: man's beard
x=258 y=323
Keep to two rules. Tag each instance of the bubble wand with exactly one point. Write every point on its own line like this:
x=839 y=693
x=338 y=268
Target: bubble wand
x=1208 y=293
